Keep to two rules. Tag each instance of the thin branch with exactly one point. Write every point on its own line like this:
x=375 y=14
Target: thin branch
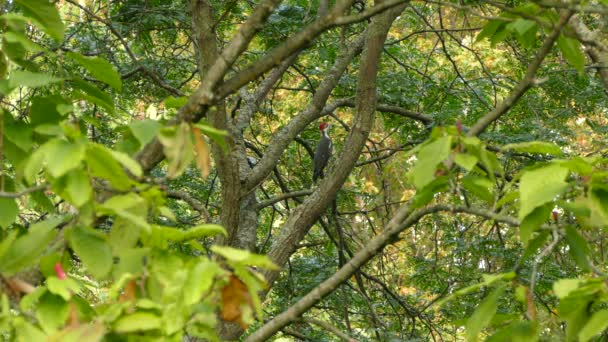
x=23 y=192
x=330 y=328
x=193 y=202
x=282 y=197
x=526 y=83
x=368 y=13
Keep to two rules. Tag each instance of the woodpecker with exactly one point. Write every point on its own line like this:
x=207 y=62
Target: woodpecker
x=323 y=152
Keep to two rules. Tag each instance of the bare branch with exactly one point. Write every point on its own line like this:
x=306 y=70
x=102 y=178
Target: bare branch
x=282 y=197
x=526 y=83
x=23 y=192
x=330 y=328
x=193 y=202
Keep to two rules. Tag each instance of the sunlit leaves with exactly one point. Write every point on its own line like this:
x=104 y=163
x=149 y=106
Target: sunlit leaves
x=178 y=148
x=100 y=69
x=483 y=314
x=45 y=14
x=8 y=211
x=26 y=249
x=31 y=79
x=534 y=147
x=541 y=185
x=572 y=52
x=429 y=157
x=94 y=251
x=102 y=164
x=596 y=325
x=145 y=130
x=139 y=321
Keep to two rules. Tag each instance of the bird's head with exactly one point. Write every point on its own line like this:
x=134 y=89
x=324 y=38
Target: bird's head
x=324 y=126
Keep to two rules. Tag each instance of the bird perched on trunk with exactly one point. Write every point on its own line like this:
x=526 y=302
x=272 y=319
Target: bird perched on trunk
x=323 y=152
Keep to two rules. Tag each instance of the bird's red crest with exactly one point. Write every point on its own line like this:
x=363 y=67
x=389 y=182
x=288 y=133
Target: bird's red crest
x=323 y=125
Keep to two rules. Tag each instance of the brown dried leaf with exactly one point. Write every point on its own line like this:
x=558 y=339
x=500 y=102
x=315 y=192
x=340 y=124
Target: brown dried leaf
x=235 y=297
x=203 y=159
x=129 y=292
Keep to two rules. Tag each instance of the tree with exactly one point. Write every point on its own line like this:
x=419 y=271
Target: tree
x=153 y=152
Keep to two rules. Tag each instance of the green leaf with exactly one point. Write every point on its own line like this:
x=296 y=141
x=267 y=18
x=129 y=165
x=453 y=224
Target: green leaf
x=26 y=250
x=217 y=135
x=103 y=165
x=175 y=102
x=178 y=148
x=44 y=111
x=20 y=134
x=8 y=211
x=94 y=251
x=123 y=236
x=93 y=94
x=429 y=157
x=33 y=166
x=127 y=162
x=521 y=26
x=466 y=161
x=534 y=147
x=563 y=287
x=145 y=130
x=30 y=79
x=46 y=15
x=579 y=249
x=572 y=52
x=64 y=288
x=27 y=332
x=19 y=38
x=595 y=326
x=540 y=186
x=139 y=321
x=100 y=69
x=52 y=312
x=483 y=314
x=425 y=195
x=490 y=29
x=533 y=221
x=199 y=281
x=535 y=244
x=62 y=156
x=204 y=230
x=479 y=186
x=244 y=257
x=78 y=187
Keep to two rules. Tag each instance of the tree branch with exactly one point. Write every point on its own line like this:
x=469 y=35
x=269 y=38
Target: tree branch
x=23 y=192
x=282 y=197
x=403 y=219
x=526 y=83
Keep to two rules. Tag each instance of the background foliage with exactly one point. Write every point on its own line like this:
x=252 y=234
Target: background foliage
x=506 y=233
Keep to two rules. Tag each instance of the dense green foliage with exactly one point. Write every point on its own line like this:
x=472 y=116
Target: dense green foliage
x=507 y=229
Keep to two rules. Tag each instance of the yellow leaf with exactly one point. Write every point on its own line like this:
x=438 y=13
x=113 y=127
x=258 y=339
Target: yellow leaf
x=203 y=160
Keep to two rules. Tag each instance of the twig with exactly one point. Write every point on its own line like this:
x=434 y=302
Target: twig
x=282 y=197
x=328 y=327
x=526 y=83
x=23 y=192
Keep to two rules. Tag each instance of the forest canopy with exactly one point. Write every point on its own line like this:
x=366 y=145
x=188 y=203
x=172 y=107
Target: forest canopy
x=156 y=170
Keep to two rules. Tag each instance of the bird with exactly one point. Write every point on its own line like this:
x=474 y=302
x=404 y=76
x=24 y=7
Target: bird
x=323 y=152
